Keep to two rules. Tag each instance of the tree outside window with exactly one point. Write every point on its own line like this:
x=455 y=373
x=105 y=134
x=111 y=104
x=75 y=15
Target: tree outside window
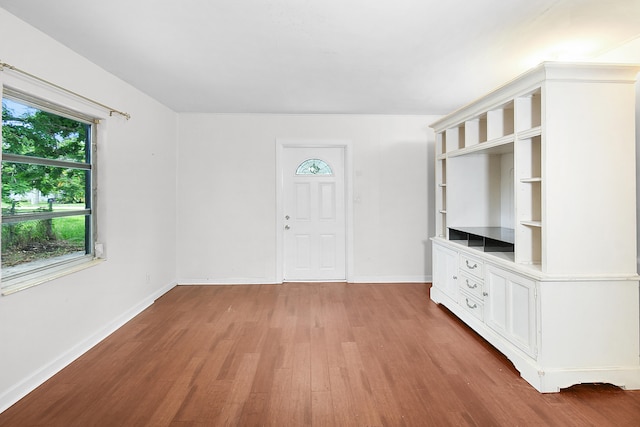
x=46 y=187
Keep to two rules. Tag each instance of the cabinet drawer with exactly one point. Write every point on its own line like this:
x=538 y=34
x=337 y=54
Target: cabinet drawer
x=471 y=266
x=471 y=285
x=472 y=305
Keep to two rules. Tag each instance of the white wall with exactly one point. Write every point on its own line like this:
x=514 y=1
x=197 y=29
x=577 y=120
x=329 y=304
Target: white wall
x=45 y=327
x=227 y=194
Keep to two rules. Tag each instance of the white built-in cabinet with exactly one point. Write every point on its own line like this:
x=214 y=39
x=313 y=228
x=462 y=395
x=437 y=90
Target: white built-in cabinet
x=535 y=244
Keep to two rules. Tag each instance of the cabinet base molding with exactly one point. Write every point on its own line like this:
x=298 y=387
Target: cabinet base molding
x=555 y=380
x=543 y=379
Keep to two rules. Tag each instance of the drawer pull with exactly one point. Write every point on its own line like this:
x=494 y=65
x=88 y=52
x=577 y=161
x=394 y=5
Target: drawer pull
x=469 y=266
x=475 y=285
x=474 y=306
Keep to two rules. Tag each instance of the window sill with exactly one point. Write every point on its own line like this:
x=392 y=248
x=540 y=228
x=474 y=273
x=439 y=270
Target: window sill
x=26 y=281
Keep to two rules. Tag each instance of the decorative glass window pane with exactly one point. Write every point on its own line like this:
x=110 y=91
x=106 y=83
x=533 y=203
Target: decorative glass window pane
x=314 y=167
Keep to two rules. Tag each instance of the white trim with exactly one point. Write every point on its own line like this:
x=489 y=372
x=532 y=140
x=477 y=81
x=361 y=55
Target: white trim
x=227 y=281
x=25 y=74
x=38 y=276
x=392 y=279
x=42 y=94
x=533 y=371
x=346 y=144
x=30 y=383
x=235 y=281
x=48 y=93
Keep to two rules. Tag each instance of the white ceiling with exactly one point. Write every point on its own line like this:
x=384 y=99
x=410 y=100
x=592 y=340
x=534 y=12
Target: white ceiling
x=328 y=56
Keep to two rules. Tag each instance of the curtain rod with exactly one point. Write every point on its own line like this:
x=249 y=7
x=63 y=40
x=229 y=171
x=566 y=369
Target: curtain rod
x=4 y=65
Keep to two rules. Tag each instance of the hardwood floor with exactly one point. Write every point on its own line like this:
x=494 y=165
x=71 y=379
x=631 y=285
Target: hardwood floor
x=326 y=354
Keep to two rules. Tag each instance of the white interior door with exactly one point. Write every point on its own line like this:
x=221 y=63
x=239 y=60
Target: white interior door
x=314 y=231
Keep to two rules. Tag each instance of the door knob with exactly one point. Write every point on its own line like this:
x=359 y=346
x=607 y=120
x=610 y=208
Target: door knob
x=286 y=227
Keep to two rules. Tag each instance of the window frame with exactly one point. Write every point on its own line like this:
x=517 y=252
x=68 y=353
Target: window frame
x=39 y=274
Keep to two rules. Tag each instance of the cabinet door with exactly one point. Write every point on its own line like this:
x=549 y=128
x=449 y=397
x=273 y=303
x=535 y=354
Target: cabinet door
x=445 y=271
x=510 y=307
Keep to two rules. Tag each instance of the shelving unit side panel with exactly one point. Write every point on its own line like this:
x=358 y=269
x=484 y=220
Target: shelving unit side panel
x=589 y=176
x=601 y=330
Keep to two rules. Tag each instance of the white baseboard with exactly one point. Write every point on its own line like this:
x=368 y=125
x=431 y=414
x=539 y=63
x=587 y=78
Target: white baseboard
x=253 y=281
x=227 y=281
x=30 y=383
x=391 y=279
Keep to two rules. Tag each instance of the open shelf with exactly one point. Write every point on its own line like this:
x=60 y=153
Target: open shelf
x=488 y=239
x=496 y=146
x=475 y=131
x=500 y=121
x=529 y=158
x=530 y=133
x=441 y=144
x=528 y=151
x=529 y=243
x=441 y=192
x=528 y=110
x=455 y=138
x=530 y=201
x=532 y=223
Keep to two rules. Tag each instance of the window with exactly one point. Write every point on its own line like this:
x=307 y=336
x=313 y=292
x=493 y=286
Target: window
x=47 y=187
x=314 y=167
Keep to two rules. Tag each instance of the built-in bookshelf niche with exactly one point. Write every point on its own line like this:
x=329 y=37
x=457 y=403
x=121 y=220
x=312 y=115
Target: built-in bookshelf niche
x=441 y=196
x=455 y=138
x=441 y=144
x=528 y=111
x=500 y=121
x=529 y=185
x=475 y=131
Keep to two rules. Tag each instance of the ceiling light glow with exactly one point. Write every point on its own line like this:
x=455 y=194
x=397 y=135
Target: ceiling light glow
x=575 y=50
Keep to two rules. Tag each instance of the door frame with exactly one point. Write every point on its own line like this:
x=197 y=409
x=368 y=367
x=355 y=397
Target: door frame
x=345 y=144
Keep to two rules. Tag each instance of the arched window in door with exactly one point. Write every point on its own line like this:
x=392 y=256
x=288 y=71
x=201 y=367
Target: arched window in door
x=314 y=167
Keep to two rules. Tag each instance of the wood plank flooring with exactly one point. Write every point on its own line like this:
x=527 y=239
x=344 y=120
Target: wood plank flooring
x=327 y=354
